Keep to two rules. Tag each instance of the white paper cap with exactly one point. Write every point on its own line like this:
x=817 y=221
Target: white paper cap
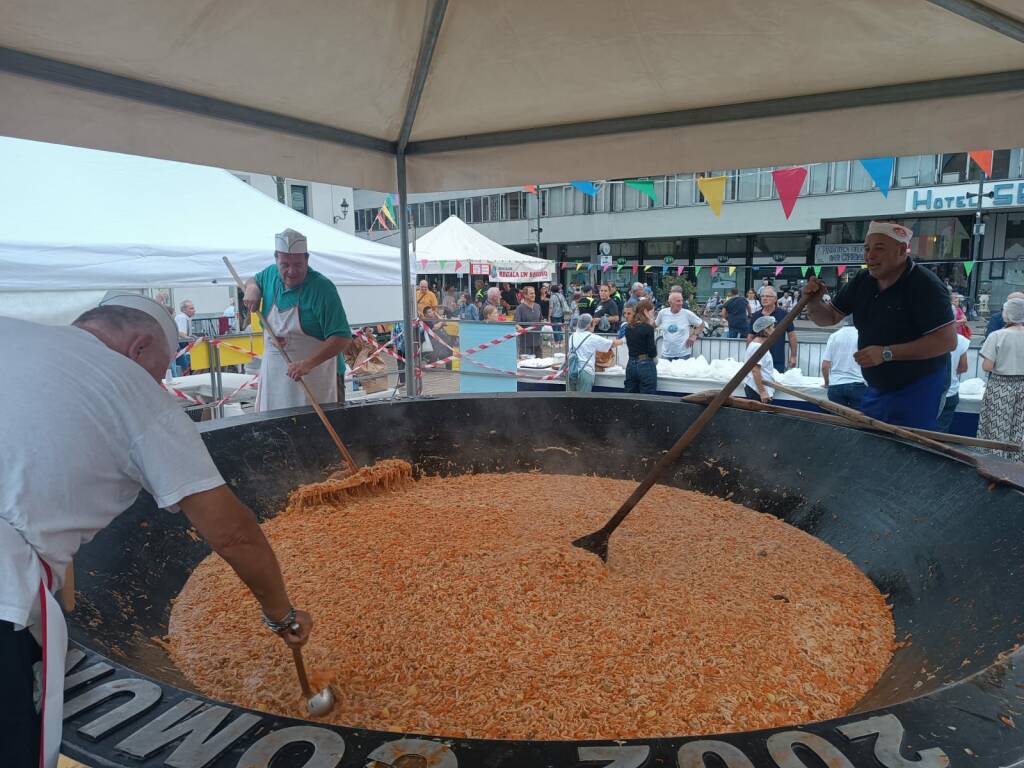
x=152 y=308
x=290 y=241
x=897 y=232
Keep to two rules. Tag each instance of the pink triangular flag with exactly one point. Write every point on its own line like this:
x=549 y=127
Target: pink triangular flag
x=778 y=271
x=788 y=182
x=679 y=270
x=840 y=269
x=634 y=269
x=458 y=266
x=714 y=270
x=423 y=263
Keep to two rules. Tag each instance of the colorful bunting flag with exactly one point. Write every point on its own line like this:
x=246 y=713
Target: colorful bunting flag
x=679 y=270
x=880 y=171
x=714 y=269
x=423 y=264
x=531 y=188
x=379 y=219
x=696 y=269
x=803 y=271
x=732 y=270
x=389 y=211
x=588 y=188
x=713 y=189
x=788 y=182
x=863 y=266
x=648 y=268
x=605 y=267
x=443 y=265
x=633 y=269
x=778 y=271
x=817 y=271
x=664 y=269
x=968 y=267
x=618 y=268
x=840 y=269
x=646 y=186
x=458 y=266
x=983 y=159
x=579 y=266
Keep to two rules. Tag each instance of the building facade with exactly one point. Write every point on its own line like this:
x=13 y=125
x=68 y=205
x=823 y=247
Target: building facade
x=932 y=194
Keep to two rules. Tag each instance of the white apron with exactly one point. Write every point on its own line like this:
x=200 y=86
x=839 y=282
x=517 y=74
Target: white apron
x=32 y=576
x=276 y=390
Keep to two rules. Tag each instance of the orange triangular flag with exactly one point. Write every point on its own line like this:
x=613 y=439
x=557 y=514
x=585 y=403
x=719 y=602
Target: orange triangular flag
x=713 y=189
x=983 y=157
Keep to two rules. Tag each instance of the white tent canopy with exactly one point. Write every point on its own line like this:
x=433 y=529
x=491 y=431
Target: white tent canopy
x=453 y=247
x=489 y=94
x=75 y=223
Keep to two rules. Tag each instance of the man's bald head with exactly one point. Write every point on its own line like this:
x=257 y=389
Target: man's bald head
x=131 y=333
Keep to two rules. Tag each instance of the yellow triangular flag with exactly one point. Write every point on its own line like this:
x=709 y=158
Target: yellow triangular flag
x=732 y=270
x=713 y=189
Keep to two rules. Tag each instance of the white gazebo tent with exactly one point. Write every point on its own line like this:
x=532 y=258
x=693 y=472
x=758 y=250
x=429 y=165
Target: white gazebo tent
x=460 y=94
x=454 y=248
x=76 y=223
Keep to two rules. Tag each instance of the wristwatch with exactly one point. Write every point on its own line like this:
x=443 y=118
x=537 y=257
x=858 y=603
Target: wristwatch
x=887 y=356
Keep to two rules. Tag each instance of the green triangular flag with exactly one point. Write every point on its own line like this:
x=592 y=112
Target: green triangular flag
x=618 y=267
x=443 y=264
x=803 y=271
x=968 y=267
x=645 y=186
x=696 y=270
x=817 y=271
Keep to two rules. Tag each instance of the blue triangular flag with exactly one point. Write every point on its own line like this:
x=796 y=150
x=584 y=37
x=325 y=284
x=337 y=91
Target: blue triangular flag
x=586 y=187
x=880 y=171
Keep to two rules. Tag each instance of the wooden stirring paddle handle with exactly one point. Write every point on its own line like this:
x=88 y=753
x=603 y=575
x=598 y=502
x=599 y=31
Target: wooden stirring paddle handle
x=701 y=421
x=309 y=394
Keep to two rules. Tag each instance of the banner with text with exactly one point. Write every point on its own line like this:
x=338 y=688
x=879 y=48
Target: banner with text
x=839 y=254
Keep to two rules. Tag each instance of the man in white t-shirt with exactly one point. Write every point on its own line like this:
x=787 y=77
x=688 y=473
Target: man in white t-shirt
x=78 y=456
x=584 y=345
x=843 y=379
x=183 y=320
x=958 y=364
x=679 y=327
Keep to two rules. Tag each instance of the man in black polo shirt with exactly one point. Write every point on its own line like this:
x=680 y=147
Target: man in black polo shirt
x=905 y=329
x=606 y=311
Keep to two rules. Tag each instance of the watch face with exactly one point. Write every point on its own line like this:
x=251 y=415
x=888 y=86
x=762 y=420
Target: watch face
x=887 y=354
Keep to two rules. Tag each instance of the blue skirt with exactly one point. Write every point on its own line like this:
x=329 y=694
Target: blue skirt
x=916 y=405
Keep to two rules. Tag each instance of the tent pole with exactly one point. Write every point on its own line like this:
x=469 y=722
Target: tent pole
x=411 y=337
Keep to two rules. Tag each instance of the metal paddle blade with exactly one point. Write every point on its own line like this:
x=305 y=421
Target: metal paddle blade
x=596 y=542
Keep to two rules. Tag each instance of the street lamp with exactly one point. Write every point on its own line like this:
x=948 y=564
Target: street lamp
x=344 y=211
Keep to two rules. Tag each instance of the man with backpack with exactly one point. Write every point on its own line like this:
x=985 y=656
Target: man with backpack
x=584 y=345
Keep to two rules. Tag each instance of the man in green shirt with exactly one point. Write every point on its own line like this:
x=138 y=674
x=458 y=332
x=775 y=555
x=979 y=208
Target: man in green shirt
x=304 y=311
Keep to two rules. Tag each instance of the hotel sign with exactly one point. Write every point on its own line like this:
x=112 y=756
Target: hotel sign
x=963 y=197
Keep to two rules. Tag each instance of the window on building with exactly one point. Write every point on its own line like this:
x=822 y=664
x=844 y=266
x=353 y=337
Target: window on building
x=954 y=168
x=719 y=247
x=554 y=198
x=627 y=249
x=361 y=224
x=840 y=176
x=783 y=246
x=730 y=184
x=1015 y=169
x=765 y=184
x=860 y=180
x=817 y=179
x=514 y=206
x=599 y=204
x=1000 y=166
x=684 y=189
x=485 y=206
x=631 y=198
x=425 y=215
x=299 y=198
x=659 y=249
x=618 y=195
x=845 y=232
x=746 y=183
x=942 y=238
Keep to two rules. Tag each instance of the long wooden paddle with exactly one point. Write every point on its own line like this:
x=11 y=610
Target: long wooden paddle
x=597 y=542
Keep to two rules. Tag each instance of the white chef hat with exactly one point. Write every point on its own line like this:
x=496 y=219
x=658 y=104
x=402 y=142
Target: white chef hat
x=152 y=308
x=897 y=232
x=290 y=241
